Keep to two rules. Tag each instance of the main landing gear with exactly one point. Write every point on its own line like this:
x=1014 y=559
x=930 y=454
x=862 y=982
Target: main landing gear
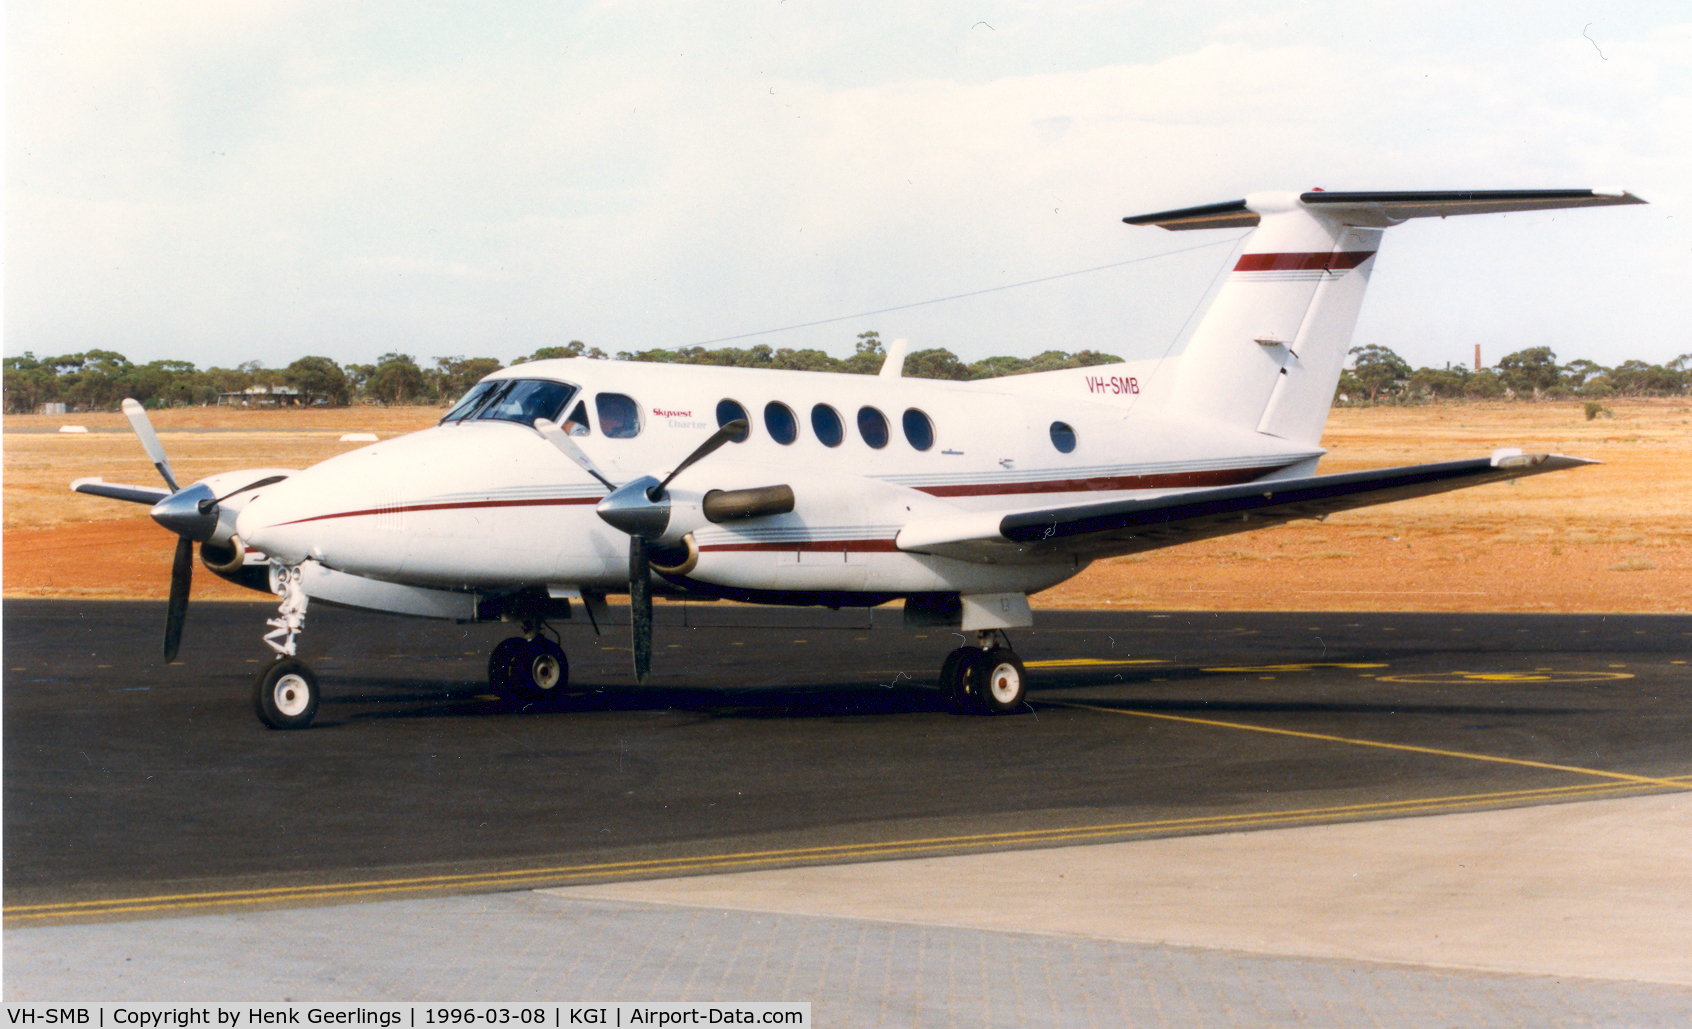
x=527 y=666
x=986 y=679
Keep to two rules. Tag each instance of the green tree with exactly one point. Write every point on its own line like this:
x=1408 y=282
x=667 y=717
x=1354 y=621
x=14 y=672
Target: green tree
x=1578 y=373
x=319 y=378
x=1439 y=383
x=1636 y=378
x=935 y=364
x=575 y=348
x=1532 y=371
x=867 y=359
x=396 y=379
x=29 y=383
x=162 y=383
x=453 y=376
x=1377 y=370
x=809 y=360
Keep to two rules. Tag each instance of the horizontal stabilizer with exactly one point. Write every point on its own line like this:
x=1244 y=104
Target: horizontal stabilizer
x=1131 y=526
x=1392 y=207
x=98 y=487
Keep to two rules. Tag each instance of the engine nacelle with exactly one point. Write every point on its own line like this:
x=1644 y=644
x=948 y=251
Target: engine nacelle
x=230 y=559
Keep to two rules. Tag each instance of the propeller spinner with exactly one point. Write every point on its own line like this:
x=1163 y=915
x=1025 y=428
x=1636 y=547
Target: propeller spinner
x=642 y=510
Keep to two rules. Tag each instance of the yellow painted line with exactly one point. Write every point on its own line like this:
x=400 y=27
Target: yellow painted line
x=655 y=868
x=1084 y=662
x=1537 y=675
x=1297 y=666
x=1643 y=780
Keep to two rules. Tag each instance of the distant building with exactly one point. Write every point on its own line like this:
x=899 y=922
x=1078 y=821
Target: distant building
x=261 y=396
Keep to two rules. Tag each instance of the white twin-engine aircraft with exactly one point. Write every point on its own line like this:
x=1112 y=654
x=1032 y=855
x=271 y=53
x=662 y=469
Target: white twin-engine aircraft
x=555 y=483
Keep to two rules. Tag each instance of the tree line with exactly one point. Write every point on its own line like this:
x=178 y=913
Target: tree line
x=99 y=379
x=1379 y=376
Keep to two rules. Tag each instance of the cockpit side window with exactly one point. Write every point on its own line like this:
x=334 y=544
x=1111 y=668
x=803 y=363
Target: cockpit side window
x=577 y=423
x=619 y=416
x=472 y=400
x=513 y=400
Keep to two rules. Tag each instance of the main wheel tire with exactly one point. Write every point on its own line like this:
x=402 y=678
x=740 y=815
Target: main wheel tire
x=544 y=666
x=503 y=662
x=285 y=694
x=998 y=682
x=955 y=679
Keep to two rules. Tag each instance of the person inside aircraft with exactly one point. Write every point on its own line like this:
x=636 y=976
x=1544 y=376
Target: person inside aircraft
x=619 y=416
x=512 y=400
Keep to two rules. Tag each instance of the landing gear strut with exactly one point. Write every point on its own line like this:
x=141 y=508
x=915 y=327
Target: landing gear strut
x=285 y=693
x=529 y=665
x=986 y=679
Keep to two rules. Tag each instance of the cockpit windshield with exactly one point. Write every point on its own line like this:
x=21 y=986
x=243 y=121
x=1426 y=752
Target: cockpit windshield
x=512 y=400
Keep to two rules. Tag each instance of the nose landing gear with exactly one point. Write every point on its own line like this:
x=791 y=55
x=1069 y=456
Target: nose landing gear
x=986 y=679
x=285 y=692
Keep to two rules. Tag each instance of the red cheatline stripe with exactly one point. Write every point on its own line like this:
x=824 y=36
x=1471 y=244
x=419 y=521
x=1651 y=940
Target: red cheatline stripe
x=1161 y=480
x=458 y=506
x=811 y=546
x=1324 y=261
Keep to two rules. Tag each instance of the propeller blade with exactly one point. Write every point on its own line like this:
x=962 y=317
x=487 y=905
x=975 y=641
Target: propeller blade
x=143 y=427
x=181 y=577
x=640 y=607
x=718 y=438
x=206 y=506
x=567 y=446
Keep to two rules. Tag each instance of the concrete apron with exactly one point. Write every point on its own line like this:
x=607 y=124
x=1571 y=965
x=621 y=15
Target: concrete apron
x=1597 y=889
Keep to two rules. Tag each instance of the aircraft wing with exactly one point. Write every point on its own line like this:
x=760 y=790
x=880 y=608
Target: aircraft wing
x=1130 y=526
x=148 y=495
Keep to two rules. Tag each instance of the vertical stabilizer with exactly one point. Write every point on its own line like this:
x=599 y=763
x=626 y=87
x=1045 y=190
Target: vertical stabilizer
x=1269 y=351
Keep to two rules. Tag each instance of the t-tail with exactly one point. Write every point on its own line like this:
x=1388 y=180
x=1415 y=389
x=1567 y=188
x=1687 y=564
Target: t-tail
x=1269 y=352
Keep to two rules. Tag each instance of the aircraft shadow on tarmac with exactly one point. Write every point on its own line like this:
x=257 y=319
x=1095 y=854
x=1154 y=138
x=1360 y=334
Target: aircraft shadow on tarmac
x=355 y=700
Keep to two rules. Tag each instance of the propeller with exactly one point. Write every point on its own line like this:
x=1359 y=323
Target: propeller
x=642 y=509
x=191 y=513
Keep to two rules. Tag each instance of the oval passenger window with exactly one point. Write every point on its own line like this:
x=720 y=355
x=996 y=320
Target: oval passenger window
x=826 y=423
x=779 y=420
x=872 y=426
x=730 y=411
x=1063 y=437
x=918 y=429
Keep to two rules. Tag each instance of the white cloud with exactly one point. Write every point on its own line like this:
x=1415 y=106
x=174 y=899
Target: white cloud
x=225 y=182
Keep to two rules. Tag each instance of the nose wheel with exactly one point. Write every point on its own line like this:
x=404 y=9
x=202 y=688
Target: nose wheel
x=988 y=679
x=285 y=694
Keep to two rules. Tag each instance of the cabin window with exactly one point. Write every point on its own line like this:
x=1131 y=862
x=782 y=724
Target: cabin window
x=619 y=416
x=872 y=426
x=513 y=400
x=1063 y=437
x=918 y=429
x=779 y=420
x=577 y=423
x=826 y=423
x=731 y=411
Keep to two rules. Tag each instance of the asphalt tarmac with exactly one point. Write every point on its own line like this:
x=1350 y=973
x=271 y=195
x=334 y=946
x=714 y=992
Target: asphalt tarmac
x=774 y=738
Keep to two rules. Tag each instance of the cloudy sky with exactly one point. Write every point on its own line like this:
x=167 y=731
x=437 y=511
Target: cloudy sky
x=224 y=182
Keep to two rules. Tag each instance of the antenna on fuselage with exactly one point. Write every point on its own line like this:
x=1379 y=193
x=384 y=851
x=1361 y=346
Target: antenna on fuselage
x=894 y=365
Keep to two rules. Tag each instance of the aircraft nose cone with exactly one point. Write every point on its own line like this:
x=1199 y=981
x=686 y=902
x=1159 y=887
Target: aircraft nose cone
x=181 y=512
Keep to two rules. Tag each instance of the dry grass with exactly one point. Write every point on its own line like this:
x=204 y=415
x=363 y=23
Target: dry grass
x=1611 y=537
